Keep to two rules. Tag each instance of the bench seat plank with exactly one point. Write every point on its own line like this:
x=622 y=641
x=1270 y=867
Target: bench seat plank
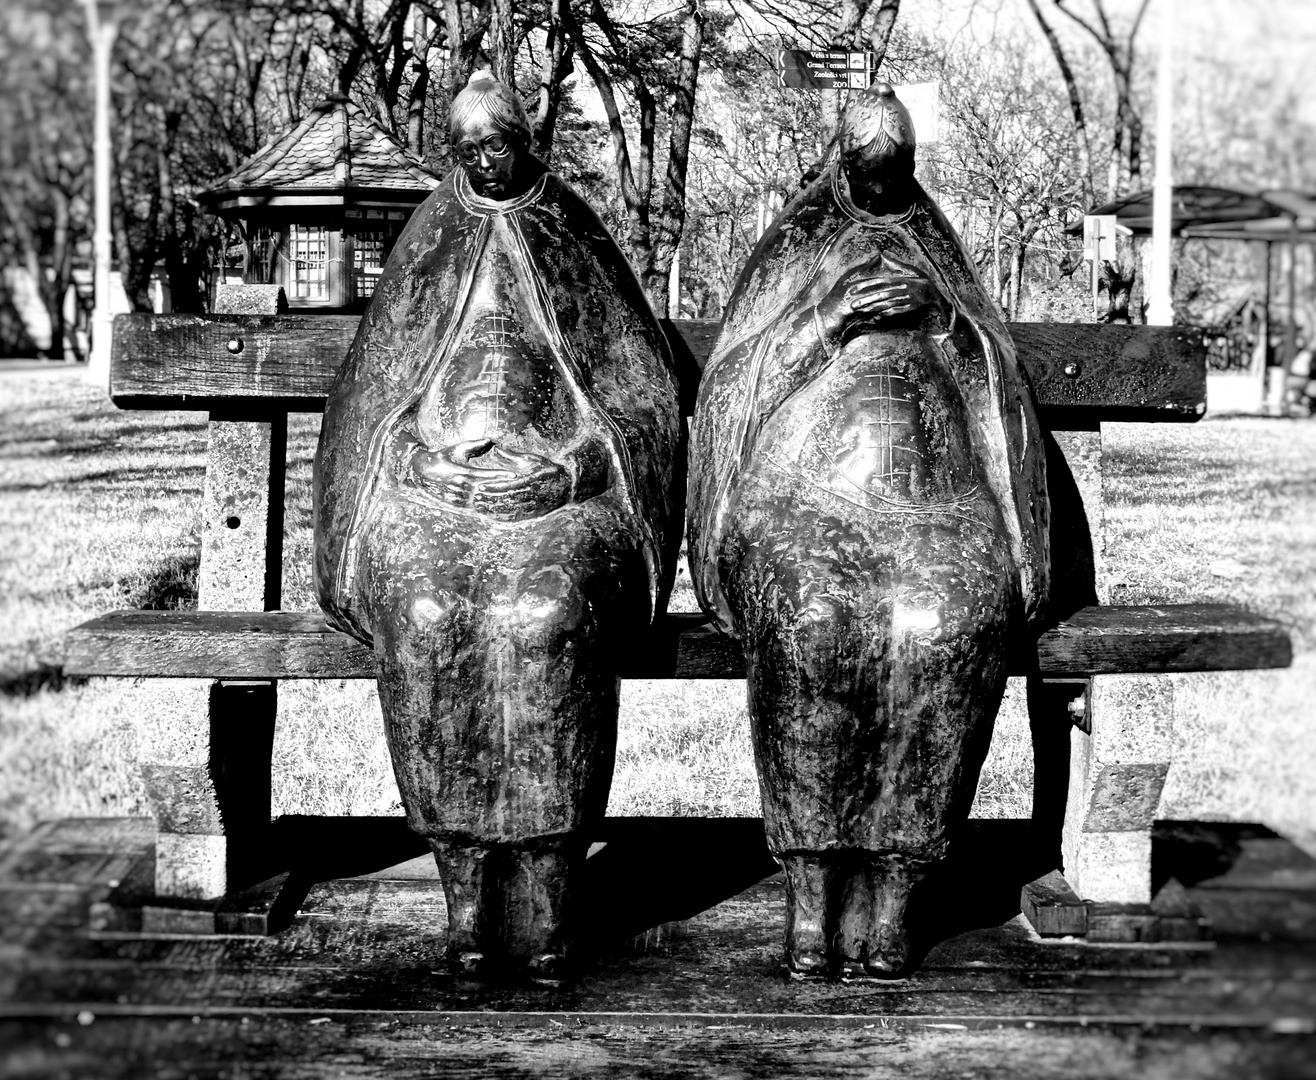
x=299 y=645
x=1082 y=373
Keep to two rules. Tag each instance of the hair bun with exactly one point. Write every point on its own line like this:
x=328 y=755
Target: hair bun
x=487 y=98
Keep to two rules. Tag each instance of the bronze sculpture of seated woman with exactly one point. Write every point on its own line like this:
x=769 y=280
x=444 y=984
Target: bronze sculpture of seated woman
x=495 y=514
x=868 y=514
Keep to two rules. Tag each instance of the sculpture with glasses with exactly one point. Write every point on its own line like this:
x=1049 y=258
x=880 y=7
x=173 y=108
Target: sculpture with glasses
x=497 y=513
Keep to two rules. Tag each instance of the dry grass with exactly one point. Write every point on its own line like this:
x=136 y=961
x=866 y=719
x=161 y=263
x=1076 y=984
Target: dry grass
x=1225 y=511
x=98 y=510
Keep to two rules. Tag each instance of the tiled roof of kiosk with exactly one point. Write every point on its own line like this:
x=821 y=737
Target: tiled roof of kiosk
x=335 y=146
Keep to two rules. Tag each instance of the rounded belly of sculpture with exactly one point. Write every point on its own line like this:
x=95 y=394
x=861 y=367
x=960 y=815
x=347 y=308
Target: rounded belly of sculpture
x=492 y=432
x=882 y=421
x=877 y=442
x=500 y=382
x=495 y=391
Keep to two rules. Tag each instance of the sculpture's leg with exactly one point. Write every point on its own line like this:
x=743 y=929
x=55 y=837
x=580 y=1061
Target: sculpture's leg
x=499 y=691
x=508 y=902
x=871 y=938
x=872 y=697
x=806 y=913
x=537 y=910
x=465 y=869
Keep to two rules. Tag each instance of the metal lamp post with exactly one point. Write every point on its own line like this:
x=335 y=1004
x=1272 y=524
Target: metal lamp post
x=103 y=27
x=1160 y=306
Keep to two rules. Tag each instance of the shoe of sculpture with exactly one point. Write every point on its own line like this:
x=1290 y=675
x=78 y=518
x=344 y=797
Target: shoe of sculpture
x=495 y=513
x=868 y=515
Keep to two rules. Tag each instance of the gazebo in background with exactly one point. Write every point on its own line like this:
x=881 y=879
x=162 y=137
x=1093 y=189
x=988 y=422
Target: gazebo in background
x=322 y=205
x=1204 y=212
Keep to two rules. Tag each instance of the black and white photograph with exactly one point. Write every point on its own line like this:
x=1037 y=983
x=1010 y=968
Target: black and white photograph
x=714 y=539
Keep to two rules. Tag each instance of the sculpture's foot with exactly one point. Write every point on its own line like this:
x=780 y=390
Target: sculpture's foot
x=537 y=905
x=465 y=872
x=508 y=905
x=872 y=939
x=806 y=914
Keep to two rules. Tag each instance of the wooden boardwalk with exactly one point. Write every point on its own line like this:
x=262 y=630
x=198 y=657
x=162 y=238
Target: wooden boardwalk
x=684 y=978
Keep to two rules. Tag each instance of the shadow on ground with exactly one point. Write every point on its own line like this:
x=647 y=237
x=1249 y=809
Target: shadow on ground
x=656 y=871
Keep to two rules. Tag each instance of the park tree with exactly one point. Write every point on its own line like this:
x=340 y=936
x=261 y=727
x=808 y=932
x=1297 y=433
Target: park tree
x=656 y=61
x=1005 y=165
x=752 y=145
x=178 y=106
x=1119 y=170
x=45 y=152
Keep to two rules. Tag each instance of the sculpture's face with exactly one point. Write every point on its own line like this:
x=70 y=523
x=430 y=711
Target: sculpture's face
x=494 y=160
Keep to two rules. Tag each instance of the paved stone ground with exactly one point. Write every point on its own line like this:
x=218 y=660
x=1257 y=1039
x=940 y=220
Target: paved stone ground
x=355 y=987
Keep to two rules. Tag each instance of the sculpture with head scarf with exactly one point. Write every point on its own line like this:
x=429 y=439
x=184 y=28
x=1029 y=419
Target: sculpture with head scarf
x=495 y=513
x=868 y=514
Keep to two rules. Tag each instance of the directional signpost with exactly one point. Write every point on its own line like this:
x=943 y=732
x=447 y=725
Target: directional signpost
x=828 y=70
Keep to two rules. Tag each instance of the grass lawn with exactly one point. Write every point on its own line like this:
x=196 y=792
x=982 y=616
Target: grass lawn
x=99 y=510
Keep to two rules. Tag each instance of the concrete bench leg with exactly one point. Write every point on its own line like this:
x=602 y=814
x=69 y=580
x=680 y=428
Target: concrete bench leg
x=206 y=761
x=206 y=767
x=1116 y=775
x=190 y=855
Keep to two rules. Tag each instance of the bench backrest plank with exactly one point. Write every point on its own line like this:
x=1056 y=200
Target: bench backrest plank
x=1081 y=373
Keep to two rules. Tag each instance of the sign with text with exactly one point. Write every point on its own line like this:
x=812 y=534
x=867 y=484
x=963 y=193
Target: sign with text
x=826 y=70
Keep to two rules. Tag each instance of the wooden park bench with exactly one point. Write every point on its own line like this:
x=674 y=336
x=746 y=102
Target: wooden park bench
x=1100 y=700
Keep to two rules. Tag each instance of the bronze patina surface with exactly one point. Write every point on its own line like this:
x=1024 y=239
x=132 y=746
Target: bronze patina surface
x=868 y=514
x=496 y=513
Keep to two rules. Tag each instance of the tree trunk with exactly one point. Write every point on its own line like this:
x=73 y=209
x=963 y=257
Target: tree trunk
x=1119 y=277
x=182 y=285
x=420 y=81
x=501 y=43
x=1082 y=140
x=1028 y=230
x=56 y=288
x=556 y=66
x=633 y=195
x=47 y=288
x=135 y=262
x=998 y=275
x=883 y=24
x=466 y=27
x=1126 y=142
x=671 y=224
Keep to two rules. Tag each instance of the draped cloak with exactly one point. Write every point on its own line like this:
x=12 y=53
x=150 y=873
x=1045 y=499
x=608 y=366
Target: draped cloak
x=584 y=301
x=754 y=368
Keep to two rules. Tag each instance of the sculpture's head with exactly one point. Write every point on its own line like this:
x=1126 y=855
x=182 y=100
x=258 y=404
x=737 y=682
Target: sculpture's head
x=877 y=139
x=490 y=133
